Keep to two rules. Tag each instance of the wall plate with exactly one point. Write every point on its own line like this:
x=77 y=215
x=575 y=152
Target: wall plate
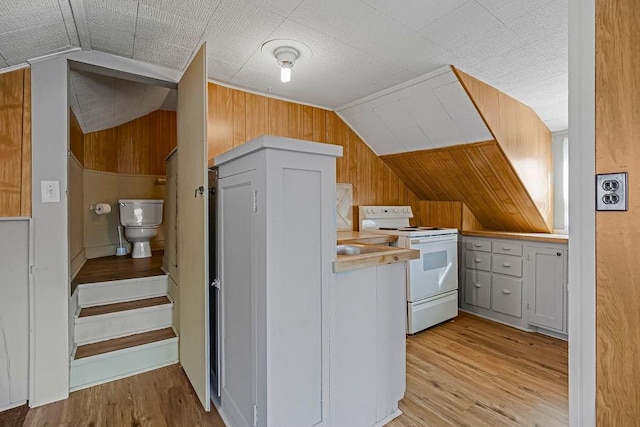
x=612 y=192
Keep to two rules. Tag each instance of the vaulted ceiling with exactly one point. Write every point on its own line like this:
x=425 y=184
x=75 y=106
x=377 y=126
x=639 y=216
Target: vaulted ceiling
x=359 y=47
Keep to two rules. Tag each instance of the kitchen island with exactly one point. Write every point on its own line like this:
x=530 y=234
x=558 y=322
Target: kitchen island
x=368 y=325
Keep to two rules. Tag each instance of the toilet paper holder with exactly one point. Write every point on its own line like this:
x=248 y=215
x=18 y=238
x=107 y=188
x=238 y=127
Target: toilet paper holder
x=100 y=208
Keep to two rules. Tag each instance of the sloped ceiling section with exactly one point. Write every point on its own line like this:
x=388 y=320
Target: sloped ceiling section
x=432 y=111
x=102 y=102
x=505 y=181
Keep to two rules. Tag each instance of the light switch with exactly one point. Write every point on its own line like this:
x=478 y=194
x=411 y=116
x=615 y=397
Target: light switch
x=50 y=191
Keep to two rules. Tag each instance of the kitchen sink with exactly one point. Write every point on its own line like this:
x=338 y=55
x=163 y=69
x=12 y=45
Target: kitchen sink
x=354 y=249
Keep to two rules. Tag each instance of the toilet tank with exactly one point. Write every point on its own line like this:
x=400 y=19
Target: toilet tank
x=141 y=212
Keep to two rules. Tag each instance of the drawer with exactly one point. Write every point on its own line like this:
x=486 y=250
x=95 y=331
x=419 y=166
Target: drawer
x=506 y=295
x=477 y=288
x=507 y=248
x=478 y=245
x=478 y=260
x=509 y=265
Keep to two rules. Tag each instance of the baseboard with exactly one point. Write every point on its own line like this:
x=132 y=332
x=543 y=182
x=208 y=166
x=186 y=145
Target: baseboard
x=388 y=418
x=77 y=263
x=12 y=405
x=495 y=320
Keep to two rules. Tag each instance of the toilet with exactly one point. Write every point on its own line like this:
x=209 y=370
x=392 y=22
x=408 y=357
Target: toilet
x=140 y=219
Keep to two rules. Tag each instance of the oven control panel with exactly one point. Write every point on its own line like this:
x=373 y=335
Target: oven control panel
x=373 y=212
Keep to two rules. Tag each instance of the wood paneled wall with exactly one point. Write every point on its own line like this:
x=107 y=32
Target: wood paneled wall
x=477 y=174
x=447 y=214
x=618 y=233
x=76 y=138
x=15 y=143
x=137 y=147
x=525 y=139
x=235 y=117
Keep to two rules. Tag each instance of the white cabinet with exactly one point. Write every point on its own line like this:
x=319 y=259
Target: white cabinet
x=14 y=312
x=518 y=282
x=547 y=286
x=276 y=245
x=368 y=324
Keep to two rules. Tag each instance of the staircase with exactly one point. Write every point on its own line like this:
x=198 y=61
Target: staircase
x=121 y=328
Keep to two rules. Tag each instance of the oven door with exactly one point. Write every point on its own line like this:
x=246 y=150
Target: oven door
x=436 y=271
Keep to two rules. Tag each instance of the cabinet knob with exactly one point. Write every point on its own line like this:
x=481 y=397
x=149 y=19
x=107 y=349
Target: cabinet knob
x=506 y=248
x=506 y=264
x=477 y=260
x=477 y=245
x=477 y=285
x=506 y=291
x=558 y=253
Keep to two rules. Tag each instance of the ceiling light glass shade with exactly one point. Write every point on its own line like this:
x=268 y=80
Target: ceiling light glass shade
x=285 y=73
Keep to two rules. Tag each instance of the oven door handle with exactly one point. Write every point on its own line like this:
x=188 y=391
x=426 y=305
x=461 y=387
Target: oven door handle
x=436 y=239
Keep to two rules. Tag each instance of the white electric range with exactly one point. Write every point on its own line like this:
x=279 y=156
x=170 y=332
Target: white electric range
x=432 y=280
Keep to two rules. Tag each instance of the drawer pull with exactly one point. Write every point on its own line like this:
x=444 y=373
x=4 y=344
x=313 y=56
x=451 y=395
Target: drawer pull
x=506 y=291
x=477 y=285
x=506 y=248
x=477 y=245
x=506 y=264
x=477 y=260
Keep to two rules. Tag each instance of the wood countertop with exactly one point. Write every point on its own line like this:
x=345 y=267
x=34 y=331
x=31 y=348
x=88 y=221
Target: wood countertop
x=536 y=237
x=380 y=255
x=345 y=237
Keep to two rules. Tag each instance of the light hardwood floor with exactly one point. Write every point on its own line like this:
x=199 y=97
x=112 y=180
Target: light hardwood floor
x=468 y=372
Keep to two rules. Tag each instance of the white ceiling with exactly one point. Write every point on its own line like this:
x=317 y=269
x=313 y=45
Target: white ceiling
x=431 y=111
x=360 y=47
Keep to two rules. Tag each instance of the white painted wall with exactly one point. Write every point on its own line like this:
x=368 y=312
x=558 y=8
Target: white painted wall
x=49 y=368
x=582 y=282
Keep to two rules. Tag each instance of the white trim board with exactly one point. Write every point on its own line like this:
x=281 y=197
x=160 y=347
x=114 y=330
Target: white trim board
x=582 y=349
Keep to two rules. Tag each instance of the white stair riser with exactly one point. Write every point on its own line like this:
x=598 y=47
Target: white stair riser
x=107 y=367
x=122 y=290
x=113 y=325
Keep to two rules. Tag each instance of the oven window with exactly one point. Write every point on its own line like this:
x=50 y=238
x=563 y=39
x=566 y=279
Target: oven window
x=434 y=260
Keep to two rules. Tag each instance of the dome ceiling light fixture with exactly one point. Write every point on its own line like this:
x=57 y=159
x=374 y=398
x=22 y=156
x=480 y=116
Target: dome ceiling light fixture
x=286 y=57
x=287 y=53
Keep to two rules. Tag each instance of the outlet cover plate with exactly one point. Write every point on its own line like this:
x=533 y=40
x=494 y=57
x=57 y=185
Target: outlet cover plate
x=609 y=187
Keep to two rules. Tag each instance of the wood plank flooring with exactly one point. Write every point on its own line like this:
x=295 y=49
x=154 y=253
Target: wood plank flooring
x=469 y=372
x=123 y=306
x=160 y=398
x=474 y=372
x=93 y=349
x=118 y=268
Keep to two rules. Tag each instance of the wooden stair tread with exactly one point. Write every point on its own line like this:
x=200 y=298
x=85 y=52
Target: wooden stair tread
x=101 y=347
x=123 y=306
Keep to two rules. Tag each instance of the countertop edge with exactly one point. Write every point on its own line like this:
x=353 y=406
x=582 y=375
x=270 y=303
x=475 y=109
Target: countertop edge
x=387 y=255
x=535 y=237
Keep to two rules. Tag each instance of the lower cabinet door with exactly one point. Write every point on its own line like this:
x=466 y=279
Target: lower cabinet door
x=506 y=294
x=477 y=288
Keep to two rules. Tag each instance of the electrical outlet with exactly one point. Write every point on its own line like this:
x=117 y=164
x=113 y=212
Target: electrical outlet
x=50 y=191
x=612 y=192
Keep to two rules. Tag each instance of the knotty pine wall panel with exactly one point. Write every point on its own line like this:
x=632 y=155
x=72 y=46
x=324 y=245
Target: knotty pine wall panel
x=15 y=143
x=76 y=138
x=523 y=137
x=137 y=147
x=235 y=117
x=617 y=132
x=477 y=174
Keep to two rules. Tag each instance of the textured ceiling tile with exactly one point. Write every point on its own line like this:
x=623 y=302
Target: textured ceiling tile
x=163 y=54
x=555 y=125
x=117 y=14
x=443 y=133
x=492 y=44
x=67 y=16
x=466 y=23
x=456 y=101
x=547 y=19
x=426 y=109
x=446 y=78
x=199 y=10
x=170 y=103
x=416 y=14
x=238 y=29
x=395 y=116
x=509 y=10
x=473 y=129
x=413 y=139
x=18 y=46
x=364 y=28
x=110 y=40
x=373 y=131
x=128 y=97
x=18 y=15
x=159 y=25
x=221 y=70
x=281 y=7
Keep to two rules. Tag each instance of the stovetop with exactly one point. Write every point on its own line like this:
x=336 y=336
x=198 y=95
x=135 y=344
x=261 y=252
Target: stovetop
x=413 y=231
